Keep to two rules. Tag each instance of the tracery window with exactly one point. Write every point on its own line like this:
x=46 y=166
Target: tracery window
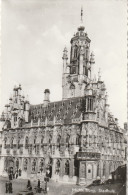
x=41 y=166
x=98 y=170
x=25 y=164
x=34 y=141
x=5 y=142
x=67 y=168
x=57 y=169
x=42 y=140
x=77 y=140
x=15 y=118
x=17 y=163
x=18 y=142
x=67 y=139
x=26 y=142
x=50 y=139
x=34 y=165
x=104 y=169
x=12 y=139
x=58 y=139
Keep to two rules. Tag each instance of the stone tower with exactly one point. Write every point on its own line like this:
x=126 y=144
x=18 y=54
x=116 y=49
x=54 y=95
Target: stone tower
x=79 y=71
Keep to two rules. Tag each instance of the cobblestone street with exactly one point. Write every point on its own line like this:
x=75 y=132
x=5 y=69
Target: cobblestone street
x=55 y=188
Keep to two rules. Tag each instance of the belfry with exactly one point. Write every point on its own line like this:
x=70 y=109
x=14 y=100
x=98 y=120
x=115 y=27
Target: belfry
x=76 y=139
x=79 y=72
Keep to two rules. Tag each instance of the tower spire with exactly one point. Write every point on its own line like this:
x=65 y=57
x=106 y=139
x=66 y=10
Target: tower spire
x=81 y=14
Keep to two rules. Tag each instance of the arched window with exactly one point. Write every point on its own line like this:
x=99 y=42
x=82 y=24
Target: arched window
x=67 y=168
x=42 y=140
x=50 y=139
x=57 y=169
x=17 y=163
x=12 y=139
x=77 y=140
x=18 y=142
x=34 y=141
x=67 y=139
x=110 y=168
x=25 y=164
x=26 y=142
x=98 y=170
x=5 y=142
x=20 y=122
x=76 y=168
x=104 y=169
x=8 y=124
x=15 y=118
x=58 y=139
x=34 y=165
x=41 y=165
x=72 y=88
x=75 y=51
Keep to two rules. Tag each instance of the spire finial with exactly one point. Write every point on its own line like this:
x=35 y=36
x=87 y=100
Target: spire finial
x=81 y=14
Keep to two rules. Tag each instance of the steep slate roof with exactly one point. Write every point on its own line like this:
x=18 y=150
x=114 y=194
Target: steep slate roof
x=65 y=110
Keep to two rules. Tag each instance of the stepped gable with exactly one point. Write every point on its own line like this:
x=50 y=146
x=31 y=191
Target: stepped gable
x=61 y=110
x=112 y=122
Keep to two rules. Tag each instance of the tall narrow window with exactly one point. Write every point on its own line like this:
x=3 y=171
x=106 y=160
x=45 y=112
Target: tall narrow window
x=26 y=142
x=42 y=140
x=77 y=140
x=57 y=170
x=67 y=168
x=25 y=164
x=41 y=165
x=34 y=165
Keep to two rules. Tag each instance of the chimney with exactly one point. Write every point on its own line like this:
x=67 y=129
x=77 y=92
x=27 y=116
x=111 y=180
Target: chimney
x=46 y=96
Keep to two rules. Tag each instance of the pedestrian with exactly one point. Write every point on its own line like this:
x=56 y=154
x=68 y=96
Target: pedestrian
x=38 y=183
x=29 y=187
x=19 y=172
x=11 y=176
x=10 y=188
x=16 y=174
x=6 y=186
x=28 y=184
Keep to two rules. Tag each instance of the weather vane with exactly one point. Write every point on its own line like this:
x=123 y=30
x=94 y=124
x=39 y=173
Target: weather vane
x=81 y=14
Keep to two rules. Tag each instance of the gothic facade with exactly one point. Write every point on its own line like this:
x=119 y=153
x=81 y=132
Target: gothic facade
x=76 y=139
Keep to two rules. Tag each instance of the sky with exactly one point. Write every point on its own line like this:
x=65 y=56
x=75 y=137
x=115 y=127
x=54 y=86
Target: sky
x=35 y=32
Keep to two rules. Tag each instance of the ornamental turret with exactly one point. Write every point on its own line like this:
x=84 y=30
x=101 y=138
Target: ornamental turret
x=65 y=58
x=46 y=96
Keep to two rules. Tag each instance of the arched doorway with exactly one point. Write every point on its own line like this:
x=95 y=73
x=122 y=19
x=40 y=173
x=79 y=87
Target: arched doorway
x=9 y=165
x=67 y=167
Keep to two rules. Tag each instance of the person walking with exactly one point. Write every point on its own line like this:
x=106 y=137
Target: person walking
x=38 y=185
x=10 y=187
x=16 y=174
x=29 y=187
x=6 y=186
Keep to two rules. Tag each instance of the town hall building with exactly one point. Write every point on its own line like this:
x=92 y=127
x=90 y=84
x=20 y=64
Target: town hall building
x=75 y=139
